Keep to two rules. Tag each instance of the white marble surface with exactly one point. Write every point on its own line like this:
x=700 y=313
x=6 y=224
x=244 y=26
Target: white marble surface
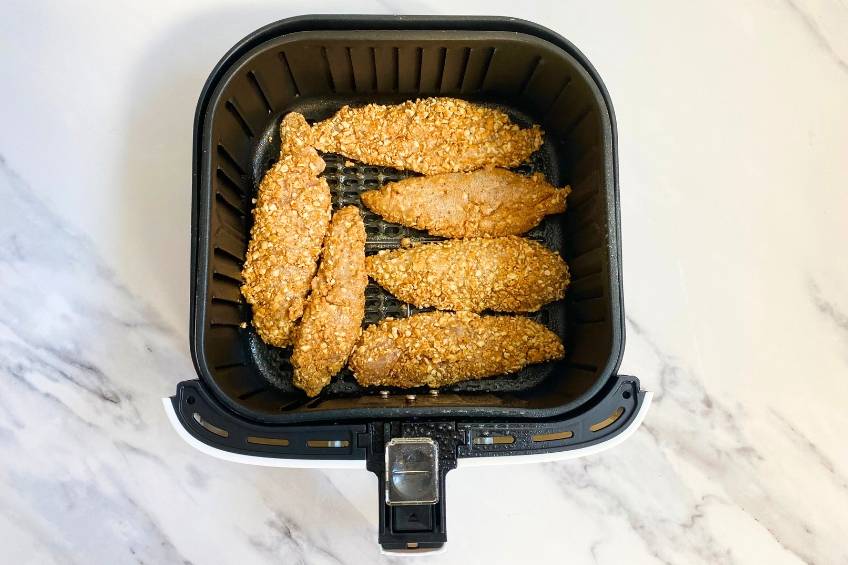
x=733 y=124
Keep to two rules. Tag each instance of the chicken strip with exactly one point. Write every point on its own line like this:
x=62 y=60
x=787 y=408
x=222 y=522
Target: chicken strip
x=441 y=348
x=431 y=136
x=506 y=274
x=290 y=219
x=486 y=203
x=333 y=318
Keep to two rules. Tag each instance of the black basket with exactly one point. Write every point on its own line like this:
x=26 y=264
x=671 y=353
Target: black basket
x=315 y=73
x=315 y=65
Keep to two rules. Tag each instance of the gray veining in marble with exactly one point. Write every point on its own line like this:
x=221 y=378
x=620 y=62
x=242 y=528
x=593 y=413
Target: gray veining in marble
x=92 y=472
x=821 y=38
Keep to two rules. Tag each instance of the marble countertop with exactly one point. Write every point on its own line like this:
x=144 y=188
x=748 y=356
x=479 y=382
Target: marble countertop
x=733 y=125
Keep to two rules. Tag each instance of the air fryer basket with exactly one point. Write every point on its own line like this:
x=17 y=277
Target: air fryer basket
x=317 y=71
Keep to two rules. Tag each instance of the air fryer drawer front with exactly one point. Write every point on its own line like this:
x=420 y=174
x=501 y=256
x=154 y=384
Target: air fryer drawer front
x=437 y=447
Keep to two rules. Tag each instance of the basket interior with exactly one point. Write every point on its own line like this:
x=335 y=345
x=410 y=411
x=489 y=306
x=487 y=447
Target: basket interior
x=316 y=73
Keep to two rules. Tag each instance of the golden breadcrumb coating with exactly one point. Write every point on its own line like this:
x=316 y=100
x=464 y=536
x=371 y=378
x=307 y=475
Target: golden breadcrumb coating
x=441 y=348
x=490 y=202
x=505 y=274
x=431 y=136
x=332 y=321
x=290 y=219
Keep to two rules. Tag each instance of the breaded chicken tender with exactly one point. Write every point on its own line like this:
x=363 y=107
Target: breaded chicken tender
x=505 y=274
x=441 y=348
x=332 y=321
x=431 y=136
x=290 y=219
x=490 y=202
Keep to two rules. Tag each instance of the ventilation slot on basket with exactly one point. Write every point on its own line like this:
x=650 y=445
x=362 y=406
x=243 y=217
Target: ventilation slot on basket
x=340 y=68
x=582 y=366
x=228 y=365
x=477 y=69
x=327 y=443
x=553 y=436
x=209 y=427
x=395 y=69
x=225 y=156
x=226 y=288
x=224 y=314
x=493 y=440
x=288 y=73
x=549 y=104
x=227 y=265
x=487 y=63
x=588 y=266
x=221 y=198
x=534 y=66
x=229 y=218
x=267 y=441
x=374 y=84
x=252 y=393
x=291 y=405
x=554 y=114
x=349 y=60
x=568 y=130
x=601 y=425
x=583 y=192
x=456 y=62
x=587 y=288
x=586 y=166
x=590 y=311
x=224 y=179
x=414 y=72
x=234 y=111
x=251 y=78
x=385 y=61
x=584 y=213
x=442 y=57
x=325 y=60
x=221 y=252
x=364 y=69
x=235 y=246
x=586 y=239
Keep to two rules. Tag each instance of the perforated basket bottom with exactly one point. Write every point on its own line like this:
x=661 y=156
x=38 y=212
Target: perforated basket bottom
x=347 y=180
